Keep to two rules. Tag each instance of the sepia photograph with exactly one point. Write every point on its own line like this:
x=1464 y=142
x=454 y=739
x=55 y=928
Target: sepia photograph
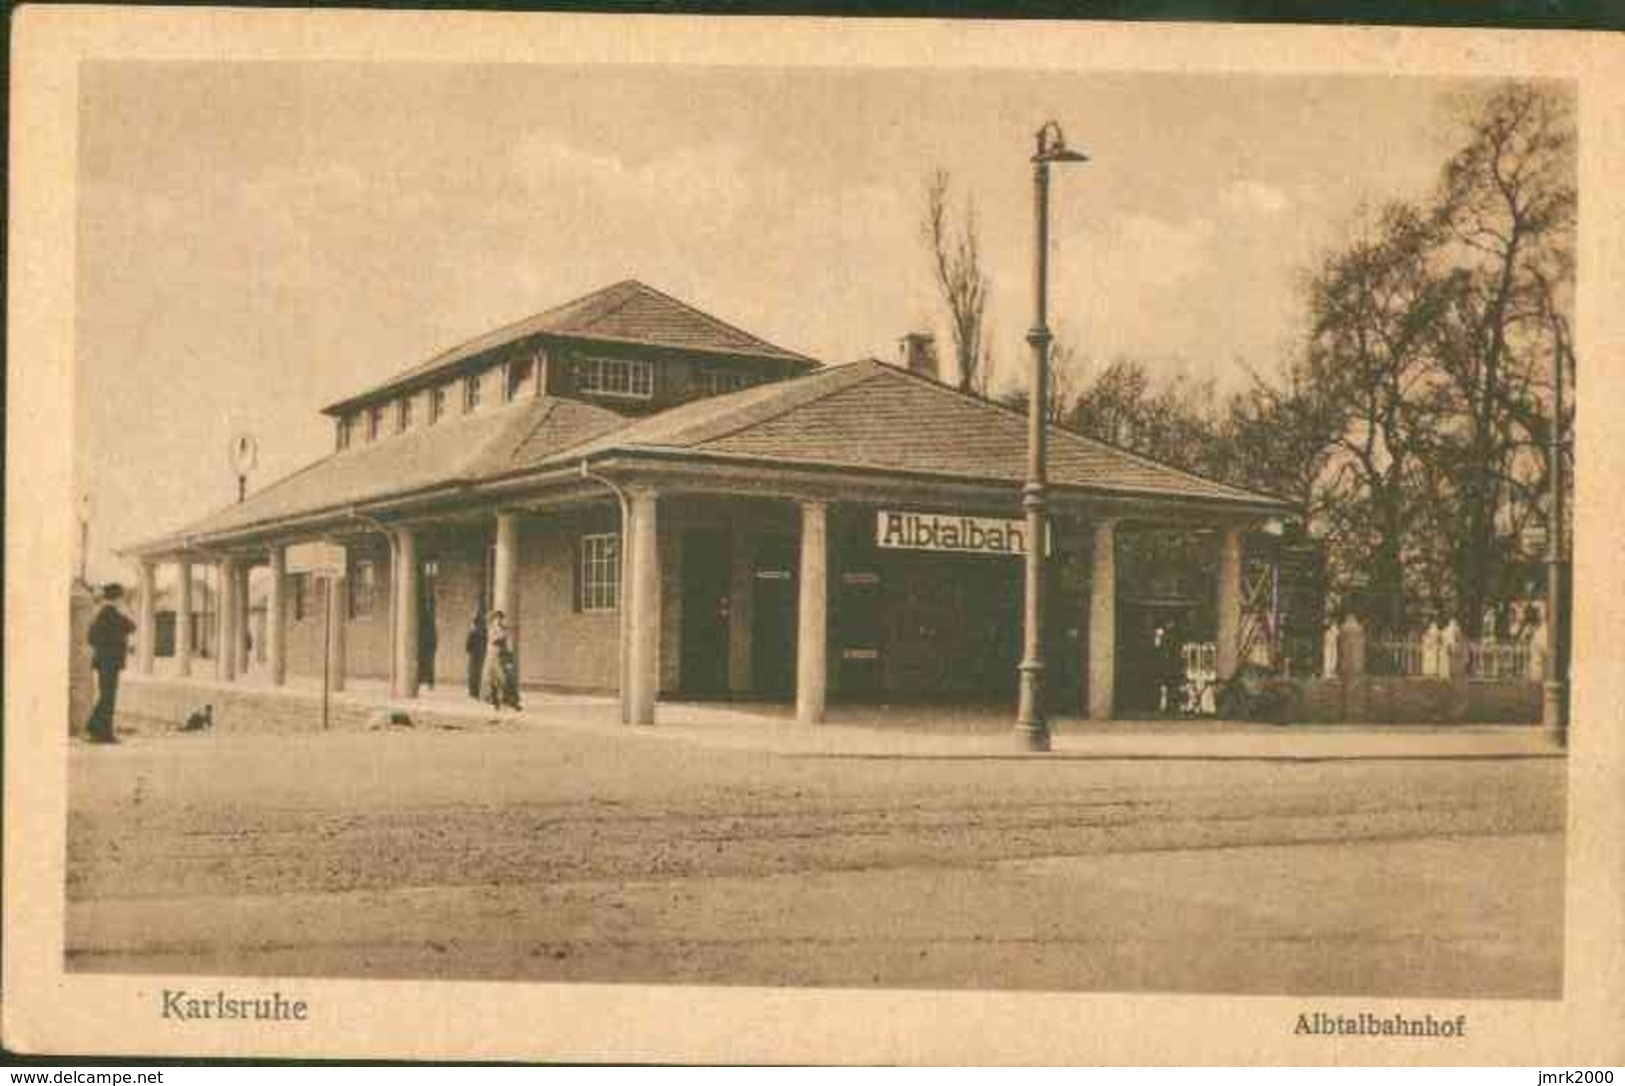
x=600 y=522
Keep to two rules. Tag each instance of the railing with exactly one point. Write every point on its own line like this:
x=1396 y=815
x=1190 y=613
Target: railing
x=1401 y=656
x=1488 y=661
x=1427 y=656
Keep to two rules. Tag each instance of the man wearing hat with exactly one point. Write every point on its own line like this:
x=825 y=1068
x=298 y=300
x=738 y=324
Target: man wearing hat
x=109 y=645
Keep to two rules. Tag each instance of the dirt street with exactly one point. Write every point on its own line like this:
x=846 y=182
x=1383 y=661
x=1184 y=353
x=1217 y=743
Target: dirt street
x=526 y=852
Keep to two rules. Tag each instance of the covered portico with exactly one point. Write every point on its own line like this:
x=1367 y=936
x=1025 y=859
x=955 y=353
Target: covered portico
x=733 y=543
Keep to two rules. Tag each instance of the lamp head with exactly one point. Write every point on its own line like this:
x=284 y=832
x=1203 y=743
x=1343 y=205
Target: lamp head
x=1051 y=146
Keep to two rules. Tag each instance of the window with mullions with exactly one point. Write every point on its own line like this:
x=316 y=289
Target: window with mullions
x=471 y=392
x=375 y=422
x=345 y=425
x=632 y=378
x=403 y=414
x=599 y=584
x=437 y=403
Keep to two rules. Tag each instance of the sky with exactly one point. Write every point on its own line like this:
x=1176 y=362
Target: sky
x=259 y=239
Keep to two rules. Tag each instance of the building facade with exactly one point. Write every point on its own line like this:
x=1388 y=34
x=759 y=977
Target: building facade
x=665 y=505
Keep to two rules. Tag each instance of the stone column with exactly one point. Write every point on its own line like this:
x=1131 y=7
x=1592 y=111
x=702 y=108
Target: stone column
x=1103 y=621
x=504 y=576
x=404 y=675
x=225 y=650
x=337 y=620
x=1227 y=648
x=244 y=624
x=276 y=655
x=183 y=619
x=812 y=615
x=643 y=610
x=146 y=616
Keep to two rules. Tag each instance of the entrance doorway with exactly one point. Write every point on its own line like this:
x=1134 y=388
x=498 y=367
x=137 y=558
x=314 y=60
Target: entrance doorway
x=773 y=620
x=1149 y=661
x=706 y=564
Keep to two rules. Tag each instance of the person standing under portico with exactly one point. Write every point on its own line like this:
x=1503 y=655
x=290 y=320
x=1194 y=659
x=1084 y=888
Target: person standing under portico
x=475 y=647
x=500 y=684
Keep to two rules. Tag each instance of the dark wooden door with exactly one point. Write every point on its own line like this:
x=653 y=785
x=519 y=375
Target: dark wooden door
x=705 y=613
x=773 y=622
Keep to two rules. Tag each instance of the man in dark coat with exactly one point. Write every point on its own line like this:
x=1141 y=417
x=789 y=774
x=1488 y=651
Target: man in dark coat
x=475 y=646
x=109 y=641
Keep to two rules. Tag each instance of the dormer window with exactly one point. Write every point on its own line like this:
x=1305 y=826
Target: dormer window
x=718 y=382
x=471 y=392
x=343 y=428
x=375 y=421
x=625 y=377
x=403 y=415
x=519 y=375
x=437 y=403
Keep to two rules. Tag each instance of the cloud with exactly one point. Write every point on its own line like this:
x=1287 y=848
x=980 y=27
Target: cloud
x=1155 y=253
x=301 y=194
x=1255 y=197
x=716 y=180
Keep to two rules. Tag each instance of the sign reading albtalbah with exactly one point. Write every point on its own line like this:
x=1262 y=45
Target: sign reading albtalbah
x=949 y=532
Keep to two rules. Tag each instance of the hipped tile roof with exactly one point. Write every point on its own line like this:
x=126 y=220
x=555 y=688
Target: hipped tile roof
x=455 y=450
x=866 y=416
x=628 y=312
x=874 y=416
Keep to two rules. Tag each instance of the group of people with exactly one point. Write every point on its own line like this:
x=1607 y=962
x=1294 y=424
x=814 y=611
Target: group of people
x=493 y=671
x=1167 y=667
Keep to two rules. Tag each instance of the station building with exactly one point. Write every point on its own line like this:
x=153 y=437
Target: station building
x=665 y=505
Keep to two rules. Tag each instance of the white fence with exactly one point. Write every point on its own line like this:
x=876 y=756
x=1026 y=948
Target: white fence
x=1428 y=655
x=1491 y=660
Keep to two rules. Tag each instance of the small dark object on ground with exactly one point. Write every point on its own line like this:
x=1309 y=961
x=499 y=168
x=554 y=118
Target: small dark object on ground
x=199 y=719
x=390 y=718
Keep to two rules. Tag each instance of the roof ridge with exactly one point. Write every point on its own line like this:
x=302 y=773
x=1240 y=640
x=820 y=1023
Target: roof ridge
x=559 y=401
x=1074 y=435
x=552 y=405
x=621 y=303
x=714 y=319
x=796 y=404
x=793 y=402
x=502 y=432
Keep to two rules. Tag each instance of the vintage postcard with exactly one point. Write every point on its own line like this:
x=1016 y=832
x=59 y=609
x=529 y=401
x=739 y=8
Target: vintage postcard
x=596 y=538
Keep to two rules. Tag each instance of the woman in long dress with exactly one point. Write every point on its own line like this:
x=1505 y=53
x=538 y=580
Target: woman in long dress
x=500 y=683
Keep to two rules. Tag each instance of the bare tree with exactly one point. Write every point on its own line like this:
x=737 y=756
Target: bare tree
x=1506 y=206
x=1065 y=387
x=1375 y=307
x=961 y=279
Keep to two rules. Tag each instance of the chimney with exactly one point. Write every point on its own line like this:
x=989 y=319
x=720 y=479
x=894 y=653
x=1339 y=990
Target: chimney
x=917 y=353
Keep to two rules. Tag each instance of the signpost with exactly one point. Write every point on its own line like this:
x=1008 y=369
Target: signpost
x=325 y=562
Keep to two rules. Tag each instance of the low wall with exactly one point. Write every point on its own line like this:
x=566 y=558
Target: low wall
x=1398 y=700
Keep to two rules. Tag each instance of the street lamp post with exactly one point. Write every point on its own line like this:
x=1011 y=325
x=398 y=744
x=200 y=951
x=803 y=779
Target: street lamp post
x=1554 y=708
x=1032 y=723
